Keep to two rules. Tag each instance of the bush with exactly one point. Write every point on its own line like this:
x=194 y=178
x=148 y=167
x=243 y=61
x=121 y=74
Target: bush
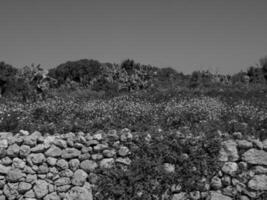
x=81 y=71
x=146 y=178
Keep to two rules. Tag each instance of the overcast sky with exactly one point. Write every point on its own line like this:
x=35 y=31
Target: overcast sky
x=219 y=35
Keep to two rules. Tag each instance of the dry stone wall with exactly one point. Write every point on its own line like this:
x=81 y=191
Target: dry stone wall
x=33 y=166
x=243 y=174
x=57 y=167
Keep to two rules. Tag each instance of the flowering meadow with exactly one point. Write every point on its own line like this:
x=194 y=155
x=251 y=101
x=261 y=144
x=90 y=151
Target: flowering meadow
x=136 y=112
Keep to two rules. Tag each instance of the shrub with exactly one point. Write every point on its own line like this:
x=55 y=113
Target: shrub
x=146 y=178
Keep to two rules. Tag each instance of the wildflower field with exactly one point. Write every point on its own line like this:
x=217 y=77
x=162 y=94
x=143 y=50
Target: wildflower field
x=143 y=111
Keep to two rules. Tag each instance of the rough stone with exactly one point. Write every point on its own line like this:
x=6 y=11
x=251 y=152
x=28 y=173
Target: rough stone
x=79 y=193
x=13 y=150
x=179 y=196
x=260 y=170
x=244 y=144
x=60 y=143
x=107 y=163
x=88 y=165
x=49 y=140
x=51 y=161
x=30 y=194
x=11 y=191
x=30 y=140
x=63 y=188
x=62 y=181
x=112 y=135
x=109 y=153
x=24 y=187
x=63 y=164
x=14 y=175
x=24 y=150
x=40 y=148
x=237 y=135
x=2 y=152
x=2 y=183
x=264 y=143
x=218 y=196
x=125 y=135
x=255 y=156
x=53 y=151
x=18 y=163
x=229 y=191
x=3 y=143
x=70 y=153
x=258 y=182
x=123 y=151
x=24 y=133
x=92 y=143
x=242 y=166
x=74 y=164
x=40 y=188
x=124 y=161
x=30 y=178
x=86 y=149
x=230 y=168
x=37 y=158
x=66 y=173
x=258 y=144
x=79 y=177
x=226 y=180
x=97 y=156
x=52 y=196
x=100 y=147
x=4 y=169
x=228 y=152
x=84 y=156
x=43 y=169
x=98 y=136
x=216 y=183
x=243 y=197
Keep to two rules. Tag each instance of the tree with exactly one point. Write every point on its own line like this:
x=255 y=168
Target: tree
x=81 y=71
x=7 y=76
x=263 y=64
x=256 y=74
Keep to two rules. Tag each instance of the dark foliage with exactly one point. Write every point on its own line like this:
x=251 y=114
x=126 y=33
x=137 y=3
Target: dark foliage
x=146 y=178
x=81 y=71
x=7 y=76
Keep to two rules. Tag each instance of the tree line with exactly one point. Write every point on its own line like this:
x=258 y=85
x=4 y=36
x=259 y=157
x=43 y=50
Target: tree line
x=34 y=81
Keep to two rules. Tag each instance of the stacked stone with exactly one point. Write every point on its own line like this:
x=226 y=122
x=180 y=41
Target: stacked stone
x=243 y=174
x=57 y=167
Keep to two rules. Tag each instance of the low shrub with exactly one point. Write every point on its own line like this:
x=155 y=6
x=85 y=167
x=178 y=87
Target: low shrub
x=194 y=158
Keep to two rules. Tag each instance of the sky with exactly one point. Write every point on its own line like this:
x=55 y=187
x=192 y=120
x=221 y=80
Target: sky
x=223 y=36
